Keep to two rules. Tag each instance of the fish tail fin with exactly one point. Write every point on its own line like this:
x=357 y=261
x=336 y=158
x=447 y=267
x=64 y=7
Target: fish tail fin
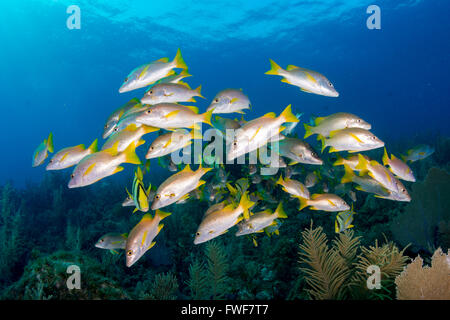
x=94 y=146
x=207 y=117
x=162 y=214
x=385 y=157
x=50 y=142
x=275 y=69
x=362 y=163
x=179 y=62
x=280 y=180
x=322 y=139
x=130 y=154
x=148 y=129
x=279 y=211
x=288 y=116
x=339 y=161
x=303 y=203
x=348 y=175
x=245 y=203
x=199 y=88
x=308 y=130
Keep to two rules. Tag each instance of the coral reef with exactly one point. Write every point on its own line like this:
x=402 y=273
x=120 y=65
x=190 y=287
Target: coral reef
x=425 y=283
x=420 y=221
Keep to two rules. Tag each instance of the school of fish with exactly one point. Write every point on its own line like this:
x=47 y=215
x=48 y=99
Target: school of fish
x=243 y=198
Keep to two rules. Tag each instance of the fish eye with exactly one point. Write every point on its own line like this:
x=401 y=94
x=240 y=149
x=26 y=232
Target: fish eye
x=126 y=79
x=116 y=129
x=51 y=161
x=149 y=111
x=158 y=196
x=198 y=233
x=330 y=84
x=129 y=252
x=216 y=100
x=314 y=154
x=151 y=148
x=234 y=143
x=150 y=92
x=101 y=240
x=106 y=126
x=72 y=175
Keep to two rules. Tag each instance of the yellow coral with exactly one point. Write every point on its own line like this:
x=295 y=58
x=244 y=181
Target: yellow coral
x=425 y=283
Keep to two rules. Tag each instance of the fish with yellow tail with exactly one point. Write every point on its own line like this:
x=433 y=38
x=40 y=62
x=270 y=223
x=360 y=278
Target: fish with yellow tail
x=172 y=141
x=149 y=73
x=171 y=93
x=307 y=80
x=324 y=202
x=102 y=164
x=142 y=235
x=351 y=140
x=140 y=194
x=229 y=101
x=112 y=241
x=178 y=186
x=258 y=132
x=337 y=121
x=41 y=152
x=398 y=167
x=218 y=221
x=378 y=172
x=293 y=187
x=260 y=220
x=172 y=116
x=351 y=161
x=365 y=183
x=70 y=156
x=125 y=137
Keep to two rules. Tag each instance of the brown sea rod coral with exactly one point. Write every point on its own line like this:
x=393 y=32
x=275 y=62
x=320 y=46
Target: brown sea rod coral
x=425 y=283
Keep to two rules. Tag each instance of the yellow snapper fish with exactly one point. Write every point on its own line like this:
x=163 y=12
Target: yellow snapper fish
x=351 y=161
x=224 y=124
x=70 y=156
x=398 y=167
x=307 y=80
x=337 y=121
x=114 y=118
x=217 y=222
x=178 y=185
x=172 y=116
x=378 y=172
x=102 y=164
x=172 y=141
x=256 y=133
x=401 y=195
x=260 y=220
x=418 y=153
x=171 y=93
x=293 y=187
x=149 y=73
x=365 y=183
x=41 y=152
x=125 y=137
x=112 y=241
x=351 y=140
x=298 y=151
x=325 y=202
x=344 y=220
x=229 y=101
x=141 y=236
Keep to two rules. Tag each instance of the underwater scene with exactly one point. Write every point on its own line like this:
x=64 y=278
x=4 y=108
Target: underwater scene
x=225 y=150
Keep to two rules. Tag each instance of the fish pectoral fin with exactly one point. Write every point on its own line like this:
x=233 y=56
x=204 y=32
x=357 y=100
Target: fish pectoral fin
x=118 y=169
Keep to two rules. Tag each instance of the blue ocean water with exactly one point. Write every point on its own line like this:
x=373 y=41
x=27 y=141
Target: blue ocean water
x=66 y=81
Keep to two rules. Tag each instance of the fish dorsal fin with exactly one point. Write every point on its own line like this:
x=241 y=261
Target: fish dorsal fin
x=113 y=150
x=187 y=168
x=165 y=60
x=270 y=115
x=193 y=109
x=291 y=67
x=184 y=83
x=147 y=217
x=318 y=120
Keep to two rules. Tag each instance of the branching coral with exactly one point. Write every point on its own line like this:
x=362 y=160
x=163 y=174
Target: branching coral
x=164 y=287
x=217 y=269
x=339 y=272
x=425 y=283
x=198 y=281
